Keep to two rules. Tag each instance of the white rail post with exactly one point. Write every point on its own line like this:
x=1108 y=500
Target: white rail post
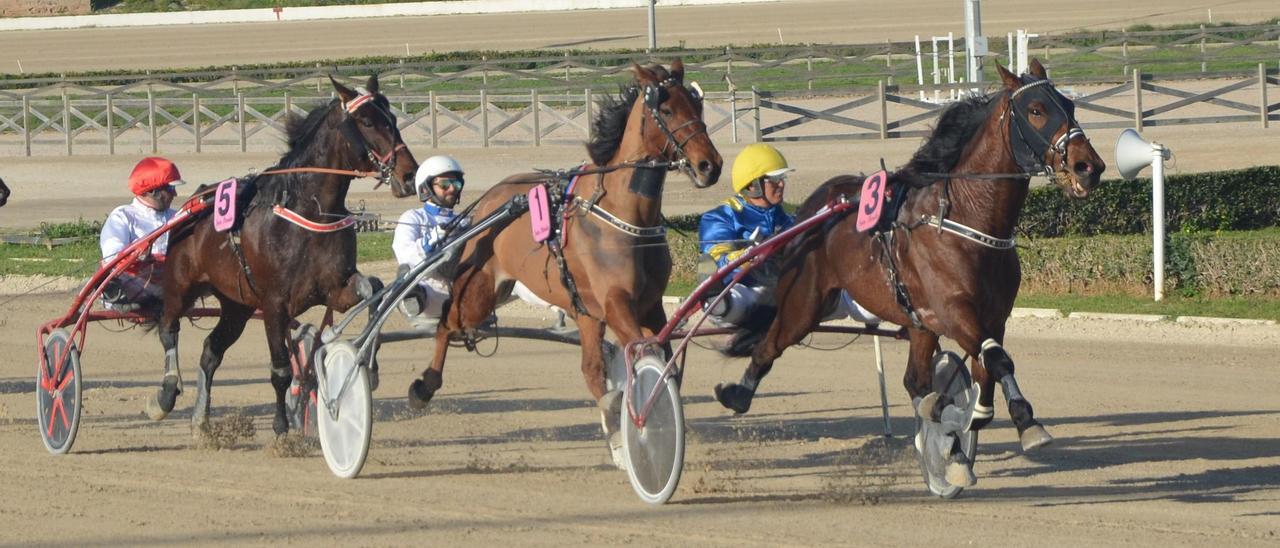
x=884 y=396
x=919 y=68
x=537 y=121
x=111 y=126
x=1262 y=95
x=1157 y=216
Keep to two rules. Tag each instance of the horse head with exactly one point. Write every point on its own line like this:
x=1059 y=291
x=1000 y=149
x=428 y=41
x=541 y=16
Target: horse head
x=370 y=128
x=673 y=129
x=1044 y=134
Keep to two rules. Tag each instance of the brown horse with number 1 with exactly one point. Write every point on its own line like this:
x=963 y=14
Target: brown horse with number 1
x=946 y=265
x=614 y=262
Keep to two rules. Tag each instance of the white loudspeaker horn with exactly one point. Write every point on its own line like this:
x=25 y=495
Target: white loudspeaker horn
x=1132 y=154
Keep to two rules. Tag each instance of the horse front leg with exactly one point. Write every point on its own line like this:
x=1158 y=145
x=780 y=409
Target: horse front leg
x=276 y=322
x=231 y=321
x=995 y=365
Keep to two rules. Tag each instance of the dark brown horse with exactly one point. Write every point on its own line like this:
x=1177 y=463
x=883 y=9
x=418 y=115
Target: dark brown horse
x=614 y=247
x=950 y=244
x=274 y=264
x=4 y=193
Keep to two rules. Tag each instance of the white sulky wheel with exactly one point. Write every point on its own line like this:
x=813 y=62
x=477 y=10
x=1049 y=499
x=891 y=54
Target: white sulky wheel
x=933 y=440
x=654 y=453
x=58 y=392
x=344 y=409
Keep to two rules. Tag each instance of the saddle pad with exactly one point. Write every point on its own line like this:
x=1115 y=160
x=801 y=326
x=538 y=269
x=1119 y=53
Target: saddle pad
x=871 y=204
x=224 y=205
x=539 y=213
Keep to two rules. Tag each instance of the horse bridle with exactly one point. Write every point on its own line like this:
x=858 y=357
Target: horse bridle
x=1030 y=157
x=385 y=164
x=654 y=96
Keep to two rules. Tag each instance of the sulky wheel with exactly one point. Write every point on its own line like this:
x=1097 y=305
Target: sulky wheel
x=301 y=399
x=654 y=452
x=344 y=408
x=58 y=392
x=936 y=441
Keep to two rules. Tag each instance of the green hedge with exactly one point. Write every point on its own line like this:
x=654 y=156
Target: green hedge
x=1243 y=199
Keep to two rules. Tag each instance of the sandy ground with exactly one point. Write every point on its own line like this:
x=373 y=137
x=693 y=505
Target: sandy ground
x=1166 y=436
x=789 y=22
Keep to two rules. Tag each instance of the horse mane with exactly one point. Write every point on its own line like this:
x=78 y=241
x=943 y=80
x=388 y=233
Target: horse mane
x=611 y=123
x=300 y=134
x=951 y=134
x=300 y=130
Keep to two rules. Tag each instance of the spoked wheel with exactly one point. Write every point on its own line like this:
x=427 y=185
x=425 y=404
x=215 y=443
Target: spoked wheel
x=654 y=452
x=936 y=441
x=58 y=392
x=301 y=400
x=344 y=408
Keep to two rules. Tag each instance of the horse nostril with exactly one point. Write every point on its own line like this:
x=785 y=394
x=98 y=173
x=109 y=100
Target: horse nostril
x=704 y=166
x=1084 y=167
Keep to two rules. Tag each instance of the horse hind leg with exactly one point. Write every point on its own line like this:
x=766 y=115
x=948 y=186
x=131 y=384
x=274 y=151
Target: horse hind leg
x=799 y=308
x=231 y=323
x=160 y=404
x=424 y=388
x=999 y=366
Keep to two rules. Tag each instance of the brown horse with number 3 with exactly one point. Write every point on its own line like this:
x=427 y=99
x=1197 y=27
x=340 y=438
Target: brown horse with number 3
x=613 y=244
x=951 y=245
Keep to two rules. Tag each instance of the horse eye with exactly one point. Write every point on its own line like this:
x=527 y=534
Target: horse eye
x=665 y=111
x=366 y=123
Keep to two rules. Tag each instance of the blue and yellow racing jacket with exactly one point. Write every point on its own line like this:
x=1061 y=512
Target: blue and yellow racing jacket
x=725 y=232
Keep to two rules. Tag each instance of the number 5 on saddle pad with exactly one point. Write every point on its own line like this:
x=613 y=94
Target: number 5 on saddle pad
x=871 y=204
x=224 y=205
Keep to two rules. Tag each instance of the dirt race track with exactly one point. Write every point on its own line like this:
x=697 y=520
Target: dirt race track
x=1166 y=436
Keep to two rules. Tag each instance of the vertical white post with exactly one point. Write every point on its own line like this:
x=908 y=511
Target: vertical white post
x=1157 y=216
x=972 y=34
x=937 y=76
x=653 y=27
x=884 y=398
x=919 y=68
x=1012 y=50
x=951 y=63
x=1024 y=45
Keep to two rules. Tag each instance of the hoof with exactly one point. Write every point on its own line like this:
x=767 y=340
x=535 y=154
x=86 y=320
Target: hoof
x=960 y=473
x=610 y=405
x=924 y=407
x=615 y=450
x=161 y=404
x=280 y=425
x=421 y=391
x=735 y=397
x=1035 y=437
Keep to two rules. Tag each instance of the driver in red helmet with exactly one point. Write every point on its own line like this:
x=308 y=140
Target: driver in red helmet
x=152 y=183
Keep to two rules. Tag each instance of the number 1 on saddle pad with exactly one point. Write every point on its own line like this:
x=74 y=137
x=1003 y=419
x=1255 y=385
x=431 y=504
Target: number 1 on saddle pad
x=539 y=213
x=224 y=205
x=871 y=204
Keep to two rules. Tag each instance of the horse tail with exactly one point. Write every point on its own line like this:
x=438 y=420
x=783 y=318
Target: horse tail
x=750 y=333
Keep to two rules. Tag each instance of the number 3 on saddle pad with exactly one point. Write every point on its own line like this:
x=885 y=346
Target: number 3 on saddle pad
x=871 y=204
x=224 y=205
x=539 y=213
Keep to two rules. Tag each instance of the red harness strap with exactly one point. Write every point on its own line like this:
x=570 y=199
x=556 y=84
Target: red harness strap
x=297 y=219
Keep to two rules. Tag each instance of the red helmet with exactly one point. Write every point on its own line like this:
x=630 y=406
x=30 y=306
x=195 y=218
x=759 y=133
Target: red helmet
x=153 y=173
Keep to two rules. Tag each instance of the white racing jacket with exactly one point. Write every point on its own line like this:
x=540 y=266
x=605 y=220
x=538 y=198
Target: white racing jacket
x=131 y=222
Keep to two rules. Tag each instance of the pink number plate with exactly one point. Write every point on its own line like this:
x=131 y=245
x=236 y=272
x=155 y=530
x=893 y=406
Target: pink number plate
x=224 y=205
x=871 y=205
x=539 y=213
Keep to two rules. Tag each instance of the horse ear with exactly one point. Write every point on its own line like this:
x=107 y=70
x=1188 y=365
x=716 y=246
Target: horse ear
x=1037 y=69
x=677 y=69
x=372 y=84
x=1010 y=81
x=344 y=92
x=643 y=75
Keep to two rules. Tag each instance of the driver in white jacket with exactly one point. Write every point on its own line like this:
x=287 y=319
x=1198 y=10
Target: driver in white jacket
x=420 y=231
x=152 y=184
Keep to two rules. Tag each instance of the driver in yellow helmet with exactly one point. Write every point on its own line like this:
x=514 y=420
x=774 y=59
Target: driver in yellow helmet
x=752 y=214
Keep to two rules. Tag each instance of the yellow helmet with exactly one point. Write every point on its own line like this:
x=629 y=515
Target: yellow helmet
x=756 y=161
